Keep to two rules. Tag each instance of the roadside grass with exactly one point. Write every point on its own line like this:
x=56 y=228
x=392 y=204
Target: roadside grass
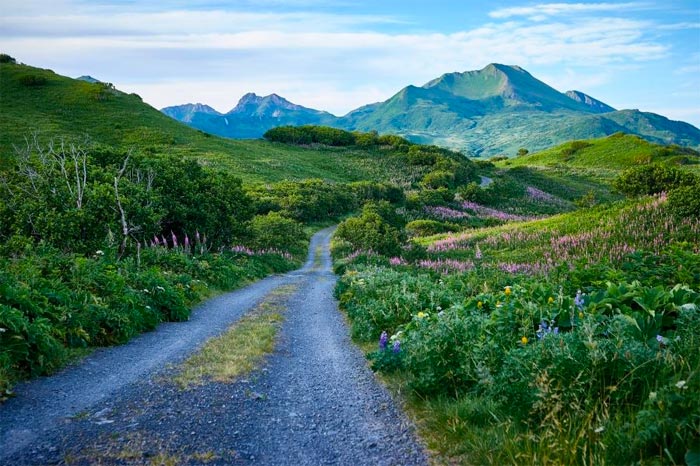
x=143 y=449
x=241 y=349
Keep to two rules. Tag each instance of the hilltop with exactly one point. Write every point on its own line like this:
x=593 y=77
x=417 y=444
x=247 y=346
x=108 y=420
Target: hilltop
x=39 y=101
x=607 y=156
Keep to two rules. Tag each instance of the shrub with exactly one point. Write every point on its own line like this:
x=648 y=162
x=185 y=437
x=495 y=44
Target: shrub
x=32 y=80
x=310 y=134
x=274 y=231
x=685 y=201
x=652 y=179
x=5 y=58
x=438 y=179
x=429 y=227
x=370 y=232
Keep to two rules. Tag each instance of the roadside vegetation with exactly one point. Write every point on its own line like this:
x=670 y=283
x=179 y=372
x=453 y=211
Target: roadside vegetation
x=518 y=335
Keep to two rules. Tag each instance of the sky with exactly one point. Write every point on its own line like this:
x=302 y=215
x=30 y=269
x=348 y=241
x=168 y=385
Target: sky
x=339 y=55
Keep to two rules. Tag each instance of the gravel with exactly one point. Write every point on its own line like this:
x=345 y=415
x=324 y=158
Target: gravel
x=313 y=402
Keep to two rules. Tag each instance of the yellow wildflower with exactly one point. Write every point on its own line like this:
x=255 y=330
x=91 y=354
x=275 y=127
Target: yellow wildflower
x=580 y=315
x=524 y=340
x=550 y=300
x=508 y=291
x=479 y=305
x=421 y=315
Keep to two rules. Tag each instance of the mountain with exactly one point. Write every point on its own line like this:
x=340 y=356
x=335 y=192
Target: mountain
x=88 y=79
x=586 y=99
x=492 y=111
x=250 y=118
x=186 y=113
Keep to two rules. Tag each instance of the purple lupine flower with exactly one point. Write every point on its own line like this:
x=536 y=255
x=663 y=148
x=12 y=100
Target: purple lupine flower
x=156 y=241
x=397 y=347
x=196 y=236
x=578 y=300
x=187 y=242
x=174 y=239
x=165 y=242
x=383 y=338
x=477 y=253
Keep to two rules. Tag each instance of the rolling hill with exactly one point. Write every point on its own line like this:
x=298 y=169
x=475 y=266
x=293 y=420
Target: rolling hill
x=39 y=101
x=492 y=111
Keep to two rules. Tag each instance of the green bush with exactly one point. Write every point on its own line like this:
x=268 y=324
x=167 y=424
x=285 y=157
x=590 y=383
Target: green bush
x=438 y=179
x=310 y=135
x=274 y=231
x=684 y=202
x=33 y=80
x=429 y=227
x=652 y=179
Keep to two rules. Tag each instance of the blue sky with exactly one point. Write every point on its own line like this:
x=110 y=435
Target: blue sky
x=338 y=55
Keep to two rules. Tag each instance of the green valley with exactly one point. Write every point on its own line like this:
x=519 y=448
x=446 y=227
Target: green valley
x=538 y=309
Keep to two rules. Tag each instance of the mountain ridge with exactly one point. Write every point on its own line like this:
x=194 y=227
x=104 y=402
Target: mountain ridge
x=487 y=112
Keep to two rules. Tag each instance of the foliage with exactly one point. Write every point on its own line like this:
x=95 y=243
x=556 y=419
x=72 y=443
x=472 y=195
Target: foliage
x=51 y=301
x=377 y=229
x=272 y=230
x=684 y=202
x=429 y=227
x=310 y=134
x=652 y=179
x=578 y=332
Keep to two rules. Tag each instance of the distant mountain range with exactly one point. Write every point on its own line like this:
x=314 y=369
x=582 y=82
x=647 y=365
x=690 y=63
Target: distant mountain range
x=493 y=111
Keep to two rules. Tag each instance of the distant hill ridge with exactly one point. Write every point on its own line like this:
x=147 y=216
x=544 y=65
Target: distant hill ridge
x=492 y=111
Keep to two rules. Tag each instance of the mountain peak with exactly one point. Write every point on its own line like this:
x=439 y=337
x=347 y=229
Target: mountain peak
x=595 y=104
x=251 y=103
x=187 y=112
x=88 y=78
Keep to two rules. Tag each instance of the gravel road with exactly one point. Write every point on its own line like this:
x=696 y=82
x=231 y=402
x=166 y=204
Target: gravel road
x=313 y=402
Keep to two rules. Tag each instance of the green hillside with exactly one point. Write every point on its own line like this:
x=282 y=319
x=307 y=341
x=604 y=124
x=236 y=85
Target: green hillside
x=40 y=101
x=607 y=156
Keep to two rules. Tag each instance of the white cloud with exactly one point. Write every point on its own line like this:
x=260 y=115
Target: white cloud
x=543 y=10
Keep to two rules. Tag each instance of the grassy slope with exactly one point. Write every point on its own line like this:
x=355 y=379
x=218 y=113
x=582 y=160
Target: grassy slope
x=64 y=107
x=606 y=157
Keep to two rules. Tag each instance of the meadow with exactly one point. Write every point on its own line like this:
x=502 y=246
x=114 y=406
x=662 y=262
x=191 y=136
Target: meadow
x=544 y=339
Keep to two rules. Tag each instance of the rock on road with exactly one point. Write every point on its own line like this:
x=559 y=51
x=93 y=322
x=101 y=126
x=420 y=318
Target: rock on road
x=313 y=402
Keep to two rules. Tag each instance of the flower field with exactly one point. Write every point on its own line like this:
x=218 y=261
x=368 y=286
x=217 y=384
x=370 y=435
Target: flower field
x=573 y=339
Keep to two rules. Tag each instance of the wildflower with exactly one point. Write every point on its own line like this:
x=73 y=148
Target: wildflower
x=397 y=347
x=681 y=384
x=477 y=253
x=550 y=300
x=508 y=291
x=498 y=304
x=599 y=430
x=580 y=315
x=421 y=315
x=479 y=305
x=578 y=300
x=383 y=338
x=524 y=340
x=174 y=239
x=99 y=253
